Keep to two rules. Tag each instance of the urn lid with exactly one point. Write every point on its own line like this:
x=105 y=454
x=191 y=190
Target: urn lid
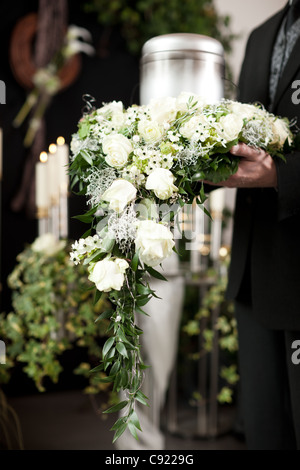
x=182 y=42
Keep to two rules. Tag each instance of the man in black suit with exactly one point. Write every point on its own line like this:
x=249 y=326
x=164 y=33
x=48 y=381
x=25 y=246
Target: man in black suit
x=264 y=276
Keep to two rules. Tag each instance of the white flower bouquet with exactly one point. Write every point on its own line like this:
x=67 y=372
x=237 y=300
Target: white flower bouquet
x=137 y=167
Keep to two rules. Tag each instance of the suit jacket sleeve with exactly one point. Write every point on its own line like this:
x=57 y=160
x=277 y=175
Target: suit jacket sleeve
x=253 y=87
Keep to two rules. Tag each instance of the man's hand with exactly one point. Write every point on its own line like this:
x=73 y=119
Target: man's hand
x=256 y=169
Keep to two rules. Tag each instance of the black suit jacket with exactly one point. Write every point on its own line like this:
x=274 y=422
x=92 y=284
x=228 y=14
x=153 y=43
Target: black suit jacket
x=265 y=260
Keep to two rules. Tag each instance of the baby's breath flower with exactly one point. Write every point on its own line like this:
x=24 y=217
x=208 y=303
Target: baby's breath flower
x=98 y=181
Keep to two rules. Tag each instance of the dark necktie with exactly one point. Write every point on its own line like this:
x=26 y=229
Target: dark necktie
x=293 y=14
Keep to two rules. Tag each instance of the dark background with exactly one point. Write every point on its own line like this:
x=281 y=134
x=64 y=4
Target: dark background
x=111 y=74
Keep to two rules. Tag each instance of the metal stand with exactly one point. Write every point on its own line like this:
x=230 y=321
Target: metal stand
x=54 y=220
x=206 y=423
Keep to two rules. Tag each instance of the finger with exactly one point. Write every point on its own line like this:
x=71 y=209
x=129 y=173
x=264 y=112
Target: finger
x=239 y=149
x=244 y=150
x=221 y=183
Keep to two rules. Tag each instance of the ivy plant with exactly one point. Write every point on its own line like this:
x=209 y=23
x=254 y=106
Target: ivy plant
x=53 y=311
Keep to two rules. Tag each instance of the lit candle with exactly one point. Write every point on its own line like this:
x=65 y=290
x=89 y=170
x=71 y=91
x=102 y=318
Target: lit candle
x=41 y=187
x=53 y=175
x=54 y=190
x=62 y=153
x=63 y=161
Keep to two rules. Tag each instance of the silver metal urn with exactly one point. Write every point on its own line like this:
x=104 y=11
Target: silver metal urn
x=172 y=63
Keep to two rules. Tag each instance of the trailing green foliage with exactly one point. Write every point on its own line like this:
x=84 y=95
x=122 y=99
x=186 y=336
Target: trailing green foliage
x=53 y=310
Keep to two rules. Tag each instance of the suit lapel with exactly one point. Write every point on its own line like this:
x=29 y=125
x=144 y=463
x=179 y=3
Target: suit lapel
x=264 y=46
x=288 y=73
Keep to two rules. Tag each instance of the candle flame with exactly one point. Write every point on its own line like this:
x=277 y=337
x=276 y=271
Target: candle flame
x=52 y=148
x=223 y=252
x=43 y=157
x=60 y=140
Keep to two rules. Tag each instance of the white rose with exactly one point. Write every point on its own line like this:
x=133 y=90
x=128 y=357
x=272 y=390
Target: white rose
x=281 y=132
x=188 y=129
x=245 y=110
x=122 y=264
x=118 y=120
x=161 y=181
x=119 y=194
x=230 y=126
x=47 y=244
x=154 y=242
x=115 y=107
x=75 y=144
x=108 y=274
x=162 y=109
x=117 y=148
x=149 y=130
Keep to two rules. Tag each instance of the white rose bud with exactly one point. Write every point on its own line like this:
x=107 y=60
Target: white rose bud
x=119 y=194
x=161 y=181
x=107 y=274
x=117 y=148
x=189 y=128
x=154 y=242
x=149 y=130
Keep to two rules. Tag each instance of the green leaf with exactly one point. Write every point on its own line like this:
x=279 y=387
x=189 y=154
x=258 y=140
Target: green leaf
x=94 y=257
x=85 y=155
x=142 y=300
x=135 y=262
x=97 y=368
x=74 y=181
x=141 y=398
x=87 y=233
x=143 y=366
x=83 y=130
x=87 y=219
x=135 y=421
x=107 y=345
x=123 y=338
x=202 y=196
x=182 y=191
x=118 y=423
x=224 y=170
x=119 y=432
x=139 y=310
x=132 y=430
x=115 y=368
x=155 y=273
x=98 y=295
x=122 y=350
x=105 y=380
x=108 y=244
x=123 y=378
x=117 y=407
x=143 y=290
x=106 y=314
